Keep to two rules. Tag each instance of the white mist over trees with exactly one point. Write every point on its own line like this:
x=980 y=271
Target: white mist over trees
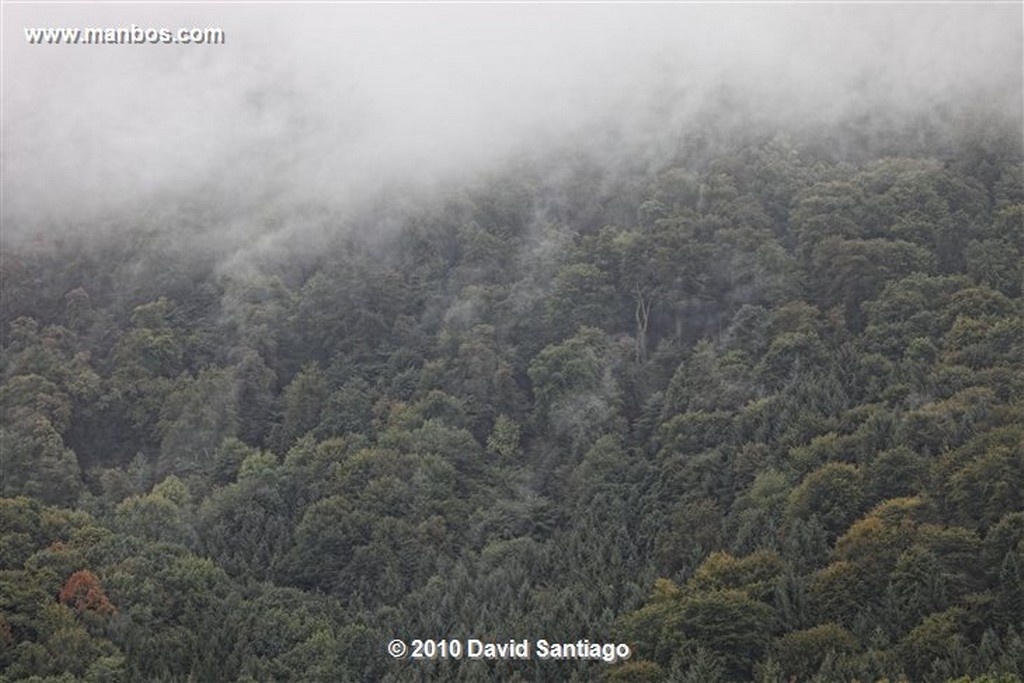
x=691 y=328
x=330 y=104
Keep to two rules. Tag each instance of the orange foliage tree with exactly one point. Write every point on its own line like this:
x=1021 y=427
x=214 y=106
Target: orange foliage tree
x=82 y=591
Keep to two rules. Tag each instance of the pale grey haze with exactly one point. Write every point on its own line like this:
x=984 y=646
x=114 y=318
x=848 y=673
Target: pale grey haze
x=322 y=105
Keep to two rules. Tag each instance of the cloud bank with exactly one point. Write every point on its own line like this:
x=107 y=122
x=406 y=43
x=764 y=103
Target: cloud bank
x=322 y=105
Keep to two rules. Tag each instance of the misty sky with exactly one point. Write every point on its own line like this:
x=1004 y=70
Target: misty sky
x=320 y=103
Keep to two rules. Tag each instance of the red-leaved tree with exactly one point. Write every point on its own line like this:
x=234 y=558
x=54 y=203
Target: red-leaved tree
x=82 y=591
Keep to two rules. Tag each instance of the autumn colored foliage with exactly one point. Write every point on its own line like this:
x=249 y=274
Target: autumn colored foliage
x=82 y=591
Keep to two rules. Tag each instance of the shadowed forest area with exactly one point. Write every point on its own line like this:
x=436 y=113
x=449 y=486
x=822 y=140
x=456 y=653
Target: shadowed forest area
x=757 y=414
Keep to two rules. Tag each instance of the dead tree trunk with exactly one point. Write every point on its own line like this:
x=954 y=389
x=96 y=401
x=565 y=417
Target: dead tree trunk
x=642 y=314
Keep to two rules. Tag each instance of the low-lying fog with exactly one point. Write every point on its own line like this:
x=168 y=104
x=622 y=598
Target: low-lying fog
x=322 y=104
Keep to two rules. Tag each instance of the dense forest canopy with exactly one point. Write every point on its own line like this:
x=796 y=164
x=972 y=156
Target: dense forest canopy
x=746 y=395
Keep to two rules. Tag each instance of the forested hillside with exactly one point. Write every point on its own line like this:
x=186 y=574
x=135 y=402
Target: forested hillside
x=756 y=410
